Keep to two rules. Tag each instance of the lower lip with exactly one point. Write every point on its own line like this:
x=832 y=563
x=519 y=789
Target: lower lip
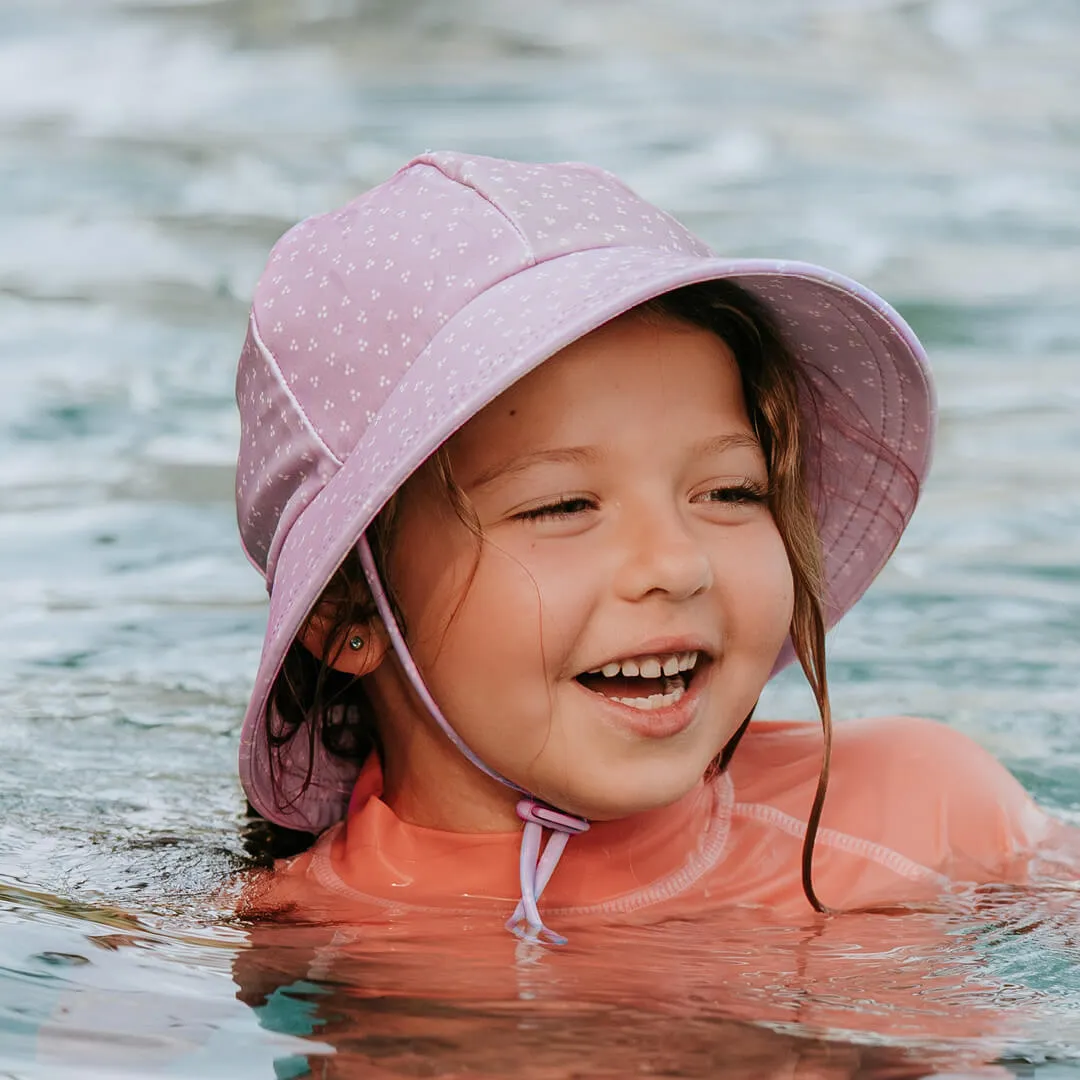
x=660 y=723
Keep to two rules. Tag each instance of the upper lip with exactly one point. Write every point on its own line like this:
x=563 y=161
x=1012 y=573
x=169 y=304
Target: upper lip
x=658 y=647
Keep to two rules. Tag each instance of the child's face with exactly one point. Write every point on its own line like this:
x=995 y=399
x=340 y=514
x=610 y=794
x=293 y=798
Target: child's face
x=621 y=495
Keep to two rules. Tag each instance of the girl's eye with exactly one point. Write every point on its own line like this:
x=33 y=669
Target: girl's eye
x=736 y=494
x=564 y=508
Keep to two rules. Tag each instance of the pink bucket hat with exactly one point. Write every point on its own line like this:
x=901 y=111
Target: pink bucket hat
x=379 y=329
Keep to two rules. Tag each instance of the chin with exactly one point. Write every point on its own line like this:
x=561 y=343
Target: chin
x=624 y=796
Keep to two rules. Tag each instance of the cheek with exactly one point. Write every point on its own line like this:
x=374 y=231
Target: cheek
x=528 y=600
x=762 y=589
x=485 y=618
x=487 y=665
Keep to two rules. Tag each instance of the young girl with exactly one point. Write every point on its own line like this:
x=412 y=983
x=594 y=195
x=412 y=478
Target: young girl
x=544 y=492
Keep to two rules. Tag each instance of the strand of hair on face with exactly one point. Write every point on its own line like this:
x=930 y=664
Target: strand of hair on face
x=815 y=675
x=812 y=823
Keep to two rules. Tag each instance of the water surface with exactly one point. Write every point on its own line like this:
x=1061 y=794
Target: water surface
x=152 y=152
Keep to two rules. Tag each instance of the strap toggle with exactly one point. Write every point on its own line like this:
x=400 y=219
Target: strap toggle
x=536 y=868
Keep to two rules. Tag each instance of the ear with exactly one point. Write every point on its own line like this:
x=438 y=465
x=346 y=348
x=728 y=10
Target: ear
x=359 y=651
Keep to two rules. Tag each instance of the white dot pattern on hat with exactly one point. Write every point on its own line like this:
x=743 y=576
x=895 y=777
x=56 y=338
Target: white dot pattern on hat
x=570 y=207
x=379 y=329
x=350 y=298
x=282 y=463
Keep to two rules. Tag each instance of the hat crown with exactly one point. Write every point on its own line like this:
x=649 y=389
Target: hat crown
x=350 y=299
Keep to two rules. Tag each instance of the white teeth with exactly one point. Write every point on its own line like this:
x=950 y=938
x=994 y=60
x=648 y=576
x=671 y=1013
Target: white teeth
x=654 y=701
x=650 y=669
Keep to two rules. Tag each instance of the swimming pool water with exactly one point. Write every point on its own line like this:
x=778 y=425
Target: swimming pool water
x=152 y=152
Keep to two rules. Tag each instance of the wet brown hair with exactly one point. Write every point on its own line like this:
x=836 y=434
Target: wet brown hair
x=310 y=699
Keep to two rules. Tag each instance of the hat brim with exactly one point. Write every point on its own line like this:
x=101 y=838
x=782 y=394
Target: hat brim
x=872 y=396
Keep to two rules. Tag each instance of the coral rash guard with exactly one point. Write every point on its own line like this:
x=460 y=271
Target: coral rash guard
x=913 y=809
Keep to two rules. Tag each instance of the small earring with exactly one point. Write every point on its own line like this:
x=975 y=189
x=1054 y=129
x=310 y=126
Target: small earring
x=356 y=642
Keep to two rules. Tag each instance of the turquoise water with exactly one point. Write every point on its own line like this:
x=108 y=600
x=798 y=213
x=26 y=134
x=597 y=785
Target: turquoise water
x=151 y=153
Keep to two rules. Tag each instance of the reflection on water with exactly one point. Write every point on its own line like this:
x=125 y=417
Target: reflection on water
x=883 y=996
x=153 y=150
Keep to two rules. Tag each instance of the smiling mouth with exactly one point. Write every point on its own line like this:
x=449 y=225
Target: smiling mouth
x=645 y=682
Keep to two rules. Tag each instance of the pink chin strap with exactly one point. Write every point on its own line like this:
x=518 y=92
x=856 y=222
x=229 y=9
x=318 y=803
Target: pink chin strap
x=535 y=867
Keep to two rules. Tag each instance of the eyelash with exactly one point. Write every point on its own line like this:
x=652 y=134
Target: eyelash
x=745 y=492
x=554 y=511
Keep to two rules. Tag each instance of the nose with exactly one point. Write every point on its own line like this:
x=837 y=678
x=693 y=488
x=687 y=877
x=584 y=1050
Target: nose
x=661 y=557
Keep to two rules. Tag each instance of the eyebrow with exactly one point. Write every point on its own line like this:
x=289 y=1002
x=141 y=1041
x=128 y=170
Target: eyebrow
x=719 y=443
x=589 y=455
x=563 y=455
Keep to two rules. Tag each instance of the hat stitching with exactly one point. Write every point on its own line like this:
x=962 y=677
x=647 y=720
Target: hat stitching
x=254 y=475
x=279 y=378
x=465 y=182
x=862 y=504
x=902 y=415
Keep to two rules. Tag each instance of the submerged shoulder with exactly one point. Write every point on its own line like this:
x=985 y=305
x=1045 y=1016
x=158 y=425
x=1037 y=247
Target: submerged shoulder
x=876 y=752
x=913 y=785
x=910 y=754
x=934 y=794
x=899 y=742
